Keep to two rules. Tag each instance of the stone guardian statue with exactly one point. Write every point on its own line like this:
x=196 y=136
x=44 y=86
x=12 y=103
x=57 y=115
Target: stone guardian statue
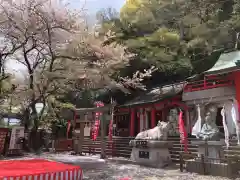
x=160 y=132
x=209 y=130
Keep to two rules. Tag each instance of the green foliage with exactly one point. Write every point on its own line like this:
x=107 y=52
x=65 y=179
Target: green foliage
x=177 y=36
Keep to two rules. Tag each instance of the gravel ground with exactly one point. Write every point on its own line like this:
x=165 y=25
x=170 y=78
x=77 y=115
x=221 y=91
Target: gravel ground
x=117 y=169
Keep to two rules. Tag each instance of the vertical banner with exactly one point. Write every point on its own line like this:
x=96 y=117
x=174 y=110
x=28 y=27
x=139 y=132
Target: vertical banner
x=182 y=131
x=97 y=120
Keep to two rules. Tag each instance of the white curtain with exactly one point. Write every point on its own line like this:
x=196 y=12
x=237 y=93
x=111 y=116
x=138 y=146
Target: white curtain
x=235 y=118
x=226 y=132
x=229 y=118
x=198 y=125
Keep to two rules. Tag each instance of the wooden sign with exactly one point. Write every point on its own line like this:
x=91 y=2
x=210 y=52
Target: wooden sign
x=87 y=130
x=17 y=132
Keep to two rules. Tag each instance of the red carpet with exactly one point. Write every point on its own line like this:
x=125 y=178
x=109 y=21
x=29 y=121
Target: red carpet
x=39 y=169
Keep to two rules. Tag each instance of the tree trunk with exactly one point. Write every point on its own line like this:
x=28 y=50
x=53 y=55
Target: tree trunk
x=103 y=142
x=26 y=123
x=35 y=141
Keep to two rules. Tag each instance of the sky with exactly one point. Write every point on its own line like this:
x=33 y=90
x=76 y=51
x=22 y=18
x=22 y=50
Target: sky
x=94 y=5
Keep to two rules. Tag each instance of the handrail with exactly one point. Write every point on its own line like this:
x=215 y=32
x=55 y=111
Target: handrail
x=208 y=83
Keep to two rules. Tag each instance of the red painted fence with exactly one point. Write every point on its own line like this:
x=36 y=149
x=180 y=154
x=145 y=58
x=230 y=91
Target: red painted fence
x=209 y=82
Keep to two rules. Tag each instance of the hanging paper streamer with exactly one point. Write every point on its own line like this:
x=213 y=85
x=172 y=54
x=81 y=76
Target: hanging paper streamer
x=97 y=121
x=96 y=127
x=198 y=125
x=68 y=127
x=235 y=120
x=182 y=131
x=226 y=132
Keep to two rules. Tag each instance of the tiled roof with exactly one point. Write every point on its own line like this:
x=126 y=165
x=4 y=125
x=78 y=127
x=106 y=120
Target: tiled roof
x=226 y=62
x=156 y=94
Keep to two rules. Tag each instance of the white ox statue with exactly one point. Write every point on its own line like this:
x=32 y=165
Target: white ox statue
x=160 y=132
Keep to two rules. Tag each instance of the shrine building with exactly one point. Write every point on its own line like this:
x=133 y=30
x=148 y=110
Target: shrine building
x=144 y=112
x=218 y=86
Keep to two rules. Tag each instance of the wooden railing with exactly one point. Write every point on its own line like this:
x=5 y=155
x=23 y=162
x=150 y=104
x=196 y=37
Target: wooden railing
x=119 y=147
x=209 y=83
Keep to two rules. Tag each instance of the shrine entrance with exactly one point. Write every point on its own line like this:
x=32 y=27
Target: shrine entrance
x=97 y=118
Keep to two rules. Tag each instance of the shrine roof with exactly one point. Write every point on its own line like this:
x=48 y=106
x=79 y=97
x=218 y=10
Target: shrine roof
x=227 y=62
x=156 y=94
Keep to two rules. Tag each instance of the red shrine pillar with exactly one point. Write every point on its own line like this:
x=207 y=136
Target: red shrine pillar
x=132 y=123
x=163 y=114
x=237 y=87
x=153 y=117
x=143 y=119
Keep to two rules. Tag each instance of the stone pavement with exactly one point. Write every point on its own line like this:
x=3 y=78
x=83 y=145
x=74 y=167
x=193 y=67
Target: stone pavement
x=119 y=169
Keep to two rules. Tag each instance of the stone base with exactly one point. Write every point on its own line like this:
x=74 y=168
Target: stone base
x=150 y=143
x=157 y=157
x=210 y=149
x=212 y=168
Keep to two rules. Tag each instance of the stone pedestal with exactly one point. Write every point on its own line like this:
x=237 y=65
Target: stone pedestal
x=209 y=160
x=212 y=168
x=210 y=149
x=151 y=153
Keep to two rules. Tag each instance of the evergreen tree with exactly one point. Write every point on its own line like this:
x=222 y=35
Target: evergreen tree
x=179 y=37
